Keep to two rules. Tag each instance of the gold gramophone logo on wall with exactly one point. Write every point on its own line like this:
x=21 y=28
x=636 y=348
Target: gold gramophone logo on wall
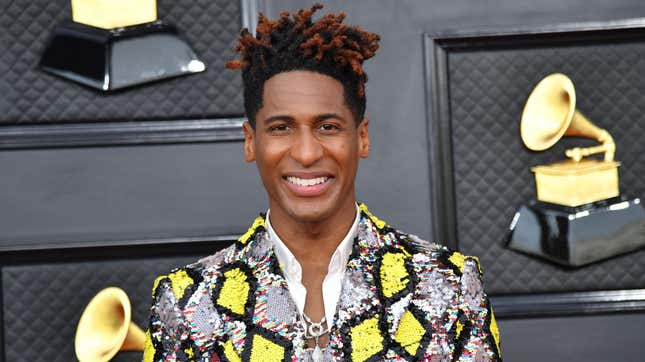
x=580 y=216
x=105 y=327
x=549 y=114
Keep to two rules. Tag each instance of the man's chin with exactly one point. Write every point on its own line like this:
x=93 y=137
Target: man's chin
x=309 y=215
x=310 y=211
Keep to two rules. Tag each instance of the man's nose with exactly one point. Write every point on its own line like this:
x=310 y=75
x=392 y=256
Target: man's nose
x=306 y=148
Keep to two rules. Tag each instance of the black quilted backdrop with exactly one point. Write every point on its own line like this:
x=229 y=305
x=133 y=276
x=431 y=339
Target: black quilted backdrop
x=27 y=95
x=43 y=302
x=488 y=89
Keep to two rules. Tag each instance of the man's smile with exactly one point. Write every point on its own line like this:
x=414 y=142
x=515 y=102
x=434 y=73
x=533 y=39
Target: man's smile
x=308 y=185
x=305 y=181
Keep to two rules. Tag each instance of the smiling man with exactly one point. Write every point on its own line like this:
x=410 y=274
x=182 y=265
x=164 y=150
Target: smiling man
x=319 y=277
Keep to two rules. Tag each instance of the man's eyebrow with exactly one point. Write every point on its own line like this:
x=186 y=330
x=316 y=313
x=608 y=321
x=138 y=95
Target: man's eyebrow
x=277 y=118
x=318 y=118
x=325 y=116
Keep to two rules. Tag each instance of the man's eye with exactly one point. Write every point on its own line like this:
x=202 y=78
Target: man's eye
x=280 y=128
x=328 y=127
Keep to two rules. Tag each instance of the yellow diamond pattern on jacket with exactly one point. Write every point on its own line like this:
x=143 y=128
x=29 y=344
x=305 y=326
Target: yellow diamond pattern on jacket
x=189 y=353
x=156 y=284
x=459 y=328
x=393 y=274
x=180 y=281
x=493 y=328
x=230 y=353
x=264 y=350
x=458 y=259
x=148 y=349
x=259 y=221
x=378 y=222
x=235 y=291
x=366 y=339
x=409 y=333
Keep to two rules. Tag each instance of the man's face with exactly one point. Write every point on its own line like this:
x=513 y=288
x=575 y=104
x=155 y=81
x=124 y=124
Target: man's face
x=306 y=146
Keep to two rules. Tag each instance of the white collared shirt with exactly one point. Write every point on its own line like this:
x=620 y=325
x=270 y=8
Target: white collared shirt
x=332 y=283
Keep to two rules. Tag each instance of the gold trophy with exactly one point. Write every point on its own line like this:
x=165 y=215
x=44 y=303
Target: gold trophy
x=549 y=114
x=105 y=328
x=115 y=44
x=579 y=216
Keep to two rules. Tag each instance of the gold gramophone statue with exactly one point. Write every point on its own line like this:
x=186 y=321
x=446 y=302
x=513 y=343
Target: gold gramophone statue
x=579 y=216
x=105 y=327
x=549 y=114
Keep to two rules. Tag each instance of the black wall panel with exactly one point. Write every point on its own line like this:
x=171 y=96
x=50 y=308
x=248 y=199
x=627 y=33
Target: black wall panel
x=102 y=195
x=43 y=300
x=488 y=87
x=31 y=96
x=602 y=338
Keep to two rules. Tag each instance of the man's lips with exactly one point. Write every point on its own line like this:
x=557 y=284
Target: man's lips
x=309 y=185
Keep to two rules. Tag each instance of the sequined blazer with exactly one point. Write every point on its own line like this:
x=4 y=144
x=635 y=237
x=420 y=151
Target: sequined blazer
x=402 y=299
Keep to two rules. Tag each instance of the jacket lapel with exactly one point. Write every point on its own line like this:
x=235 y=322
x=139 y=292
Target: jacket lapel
x=359 y=311
x=274 y=308
x=377 y=289
x=272 y=321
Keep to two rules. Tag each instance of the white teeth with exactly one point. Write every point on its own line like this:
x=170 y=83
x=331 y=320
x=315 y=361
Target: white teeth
x=307 y=181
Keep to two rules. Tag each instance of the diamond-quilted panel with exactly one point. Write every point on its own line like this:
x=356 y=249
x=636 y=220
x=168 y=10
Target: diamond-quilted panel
x=488 y=89
x=31 y=96
x=43 y=302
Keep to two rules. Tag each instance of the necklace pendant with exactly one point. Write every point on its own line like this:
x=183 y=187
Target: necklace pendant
x=316 y=329
x=317 y=355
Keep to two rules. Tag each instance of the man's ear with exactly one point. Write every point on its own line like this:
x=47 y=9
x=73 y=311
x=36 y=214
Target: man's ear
x=364 y=138
x=249 y=142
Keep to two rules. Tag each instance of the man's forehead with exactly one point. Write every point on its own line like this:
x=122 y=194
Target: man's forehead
x=304 y=80
x=303 y=92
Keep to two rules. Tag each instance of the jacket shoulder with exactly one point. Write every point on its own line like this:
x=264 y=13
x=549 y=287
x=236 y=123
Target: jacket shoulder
x=451 y=279
x=169 y=324
x=439 y=254
x=178 y=280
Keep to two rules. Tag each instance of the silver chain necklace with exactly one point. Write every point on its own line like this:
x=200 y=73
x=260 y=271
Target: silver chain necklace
x=314 y=331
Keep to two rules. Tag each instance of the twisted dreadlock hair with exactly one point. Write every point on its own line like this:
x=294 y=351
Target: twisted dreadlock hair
x=297 y=43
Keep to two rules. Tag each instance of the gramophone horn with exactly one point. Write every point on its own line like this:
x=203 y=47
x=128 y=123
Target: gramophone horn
x=105 y=327
x=550 y=113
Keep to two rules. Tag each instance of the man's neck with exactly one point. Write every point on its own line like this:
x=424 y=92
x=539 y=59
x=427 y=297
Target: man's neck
x=313 y=244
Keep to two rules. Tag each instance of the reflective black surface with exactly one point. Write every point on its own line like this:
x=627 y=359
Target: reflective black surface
x=576 y=236
x=118 y=58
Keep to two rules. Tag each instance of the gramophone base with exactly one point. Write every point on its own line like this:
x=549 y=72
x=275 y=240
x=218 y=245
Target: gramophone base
x=576 y=236
x=109 y=60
